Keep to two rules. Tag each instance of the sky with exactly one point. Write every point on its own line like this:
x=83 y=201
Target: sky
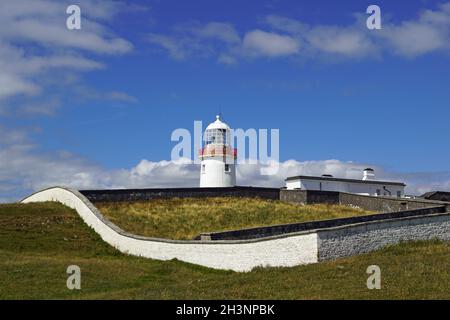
x=96 y=107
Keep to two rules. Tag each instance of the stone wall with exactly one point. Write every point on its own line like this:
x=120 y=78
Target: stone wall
x=309 y=196
x=380 y=204
x=330 y=197
x=370 y=203
x=384 y=204
x=293 y=196
x=362 y=238
x=437 y=195
x=260 y=232
x=148 y=194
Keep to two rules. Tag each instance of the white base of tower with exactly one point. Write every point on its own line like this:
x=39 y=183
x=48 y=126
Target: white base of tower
x=213 y=173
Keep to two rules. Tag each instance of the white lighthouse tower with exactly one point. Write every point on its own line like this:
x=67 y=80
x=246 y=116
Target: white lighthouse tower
x=218 y=158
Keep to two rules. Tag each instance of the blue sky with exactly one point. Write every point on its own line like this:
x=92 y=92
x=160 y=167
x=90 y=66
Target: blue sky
x=96 y=107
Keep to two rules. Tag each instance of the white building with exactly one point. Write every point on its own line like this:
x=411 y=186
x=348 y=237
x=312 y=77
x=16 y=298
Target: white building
x=218 y=158
x=366 y=186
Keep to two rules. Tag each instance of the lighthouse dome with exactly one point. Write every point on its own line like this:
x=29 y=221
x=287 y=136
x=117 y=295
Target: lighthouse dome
x=217 y=132
x=218 y=124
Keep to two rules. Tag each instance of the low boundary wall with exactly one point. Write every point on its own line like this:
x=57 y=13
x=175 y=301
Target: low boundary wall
x=284 y=250
x=371 y=203
x=258 y=232
x=148 y=194
x=366 y=237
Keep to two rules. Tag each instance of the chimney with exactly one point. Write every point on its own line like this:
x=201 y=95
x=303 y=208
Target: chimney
x=368 y=174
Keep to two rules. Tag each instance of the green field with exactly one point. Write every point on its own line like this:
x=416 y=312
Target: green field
x=188 y=217
x=39 y=241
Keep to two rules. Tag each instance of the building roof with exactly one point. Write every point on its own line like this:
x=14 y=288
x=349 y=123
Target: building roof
x=345 y=180
x=218 y=124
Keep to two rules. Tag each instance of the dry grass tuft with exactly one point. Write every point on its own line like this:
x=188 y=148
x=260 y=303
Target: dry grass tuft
x=186 y=218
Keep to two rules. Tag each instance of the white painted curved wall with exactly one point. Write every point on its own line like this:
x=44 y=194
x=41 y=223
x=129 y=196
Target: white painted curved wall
x=229 y=255
x=278 y=251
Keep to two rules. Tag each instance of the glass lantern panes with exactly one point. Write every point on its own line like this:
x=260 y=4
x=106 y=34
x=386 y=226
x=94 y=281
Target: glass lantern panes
x=217 y=136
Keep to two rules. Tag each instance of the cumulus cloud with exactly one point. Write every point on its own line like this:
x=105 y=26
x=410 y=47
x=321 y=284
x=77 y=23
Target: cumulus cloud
x=173 y=46
x=217 y=30
x=24 y=169
x=88 y=93
x=429 y=33
x=37 y=108
x=35 y=45
x=344 y=41
x=347 y=41
x=43 y=22
x=37 y=54
x=269 y=44
x=287 y=37
x=199 y=40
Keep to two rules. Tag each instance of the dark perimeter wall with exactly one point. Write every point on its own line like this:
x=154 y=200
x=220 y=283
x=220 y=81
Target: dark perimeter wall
x=371 y=203
x=437 y=195
x=259 y=232
x=148 y=194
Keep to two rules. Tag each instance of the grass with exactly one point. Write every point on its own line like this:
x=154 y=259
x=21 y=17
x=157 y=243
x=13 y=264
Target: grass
x=39 y=241
x=188 y=217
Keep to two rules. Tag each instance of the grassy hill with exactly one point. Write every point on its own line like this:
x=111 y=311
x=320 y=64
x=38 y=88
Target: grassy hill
x=185 y=218
x=38 y=242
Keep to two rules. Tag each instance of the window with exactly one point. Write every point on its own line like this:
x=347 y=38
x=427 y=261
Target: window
x=217 y=136
x=227 y=168
x=222 y=136
x=203 y=168
x=378 y=192
x=399 y=194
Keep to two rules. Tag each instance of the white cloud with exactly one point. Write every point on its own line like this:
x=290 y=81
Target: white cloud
x=120 y=96
x=47 y=108
x=227 y=59
x=287 y=25
x=172 y=45
x=37 y=54
x=43 y=22
x=87 y=93
x=24 y=168
x=427 y=33
x=12 y=136
x=343 y=41
x=36 y=46
x=195 y=40
x=11 y=84
x=347 y=41
x=412 y=39
x=261 y=43
x=438 y=17
x=217 y=30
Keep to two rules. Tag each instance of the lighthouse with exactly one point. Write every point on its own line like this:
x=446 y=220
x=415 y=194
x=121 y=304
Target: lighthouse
x=218 y=158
